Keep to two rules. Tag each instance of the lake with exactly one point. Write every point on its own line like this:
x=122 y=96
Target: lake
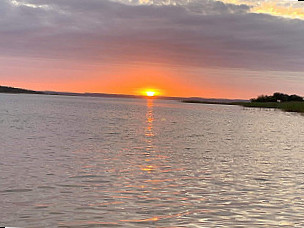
x=103 y=162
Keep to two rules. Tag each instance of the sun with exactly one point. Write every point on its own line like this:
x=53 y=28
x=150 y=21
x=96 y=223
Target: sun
x=150 y=93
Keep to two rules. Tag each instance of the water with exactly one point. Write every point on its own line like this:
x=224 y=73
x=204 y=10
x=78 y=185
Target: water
x=94 y=162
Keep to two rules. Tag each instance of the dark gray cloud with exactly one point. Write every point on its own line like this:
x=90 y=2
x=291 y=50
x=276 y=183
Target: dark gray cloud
x=205 y=33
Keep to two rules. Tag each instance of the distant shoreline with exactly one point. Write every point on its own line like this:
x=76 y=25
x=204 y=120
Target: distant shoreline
x=12 y=90
x=290 y=106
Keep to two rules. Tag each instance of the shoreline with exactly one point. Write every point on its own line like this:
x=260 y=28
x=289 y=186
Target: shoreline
x=289 y=106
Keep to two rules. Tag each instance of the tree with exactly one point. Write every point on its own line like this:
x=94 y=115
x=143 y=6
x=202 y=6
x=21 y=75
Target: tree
x=277 y=97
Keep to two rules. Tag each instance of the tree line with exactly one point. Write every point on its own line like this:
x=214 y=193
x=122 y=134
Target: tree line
x=277 y=97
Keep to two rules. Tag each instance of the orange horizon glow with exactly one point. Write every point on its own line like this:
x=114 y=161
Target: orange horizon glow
x=138 y=79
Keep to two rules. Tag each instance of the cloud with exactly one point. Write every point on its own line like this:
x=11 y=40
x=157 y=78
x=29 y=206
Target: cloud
x=203 y=34
x=195 y=6
x=282 y=8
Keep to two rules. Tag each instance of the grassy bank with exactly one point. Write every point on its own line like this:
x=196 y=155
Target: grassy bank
x=292 y=106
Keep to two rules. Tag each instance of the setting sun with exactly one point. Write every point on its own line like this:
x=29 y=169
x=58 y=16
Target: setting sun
x=150 y=93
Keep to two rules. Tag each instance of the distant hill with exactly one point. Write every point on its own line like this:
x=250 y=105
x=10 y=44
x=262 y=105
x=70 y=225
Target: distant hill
x=6 y=89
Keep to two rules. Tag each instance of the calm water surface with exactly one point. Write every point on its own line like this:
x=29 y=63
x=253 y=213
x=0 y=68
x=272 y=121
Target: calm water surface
x=94 y=162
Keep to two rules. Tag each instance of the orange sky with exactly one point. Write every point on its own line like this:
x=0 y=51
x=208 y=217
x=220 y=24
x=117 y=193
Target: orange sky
x=133 y=79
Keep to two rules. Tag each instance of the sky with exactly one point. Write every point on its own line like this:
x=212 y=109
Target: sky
x=203 y=48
